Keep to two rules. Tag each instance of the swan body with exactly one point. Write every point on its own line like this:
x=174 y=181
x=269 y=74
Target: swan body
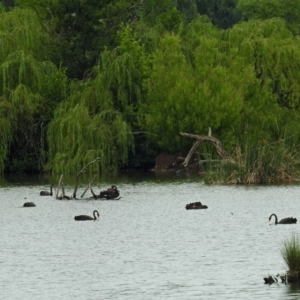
x=195 y=205
x=87 y=218
x=110 y=193
x=29 y=204
x=289 y=220
x=46 y=193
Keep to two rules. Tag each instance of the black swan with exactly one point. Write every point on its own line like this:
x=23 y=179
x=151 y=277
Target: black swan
x=29 y=204
x=195 y=205
x=46 y=193
x=289 y=220
x=270 y=279
x=87 y=218
x=110 y=193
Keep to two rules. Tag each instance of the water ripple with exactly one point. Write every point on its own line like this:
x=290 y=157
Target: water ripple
x=146 y=246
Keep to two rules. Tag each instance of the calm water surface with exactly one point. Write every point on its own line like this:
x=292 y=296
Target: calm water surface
x=145 y=246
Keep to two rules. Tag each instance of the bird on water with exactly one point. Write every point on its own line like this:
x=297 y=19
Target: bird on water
x=289 y=220
x=88 y=218
x=47 y=193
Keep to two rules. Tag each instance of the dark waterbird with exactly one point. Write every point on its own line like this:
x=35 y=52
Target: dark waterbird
x=110 y=193
x=47 y=193
x=87 y=218
x=270 y=279
x=195 y=205
x=289 y=220
x=29 y=204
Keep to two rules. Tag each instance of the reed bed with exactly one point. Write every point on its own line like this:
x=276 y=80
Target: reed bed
x=291 y=255
x=257 y=162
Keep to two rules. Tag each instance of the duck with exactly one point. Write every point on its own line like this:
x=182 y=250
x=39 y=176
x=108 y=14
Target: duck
x=88 y=218
x=110 y=193
x=289 y=220
x=29 y=204
x=46 y=193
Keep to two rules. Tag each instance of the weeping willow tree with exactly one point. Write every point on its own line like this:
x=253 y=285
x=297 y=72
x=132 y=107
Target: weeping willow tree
x=98 y=118
x=86 y=126
x=123 y=72
x=27 y=80
x=288 y=10
x=272 y=100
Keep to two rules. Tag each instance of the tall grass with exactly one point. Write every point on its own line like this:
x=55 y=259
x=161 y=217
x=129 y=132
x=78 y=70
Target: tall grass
x=258 y=161
x=291 y=255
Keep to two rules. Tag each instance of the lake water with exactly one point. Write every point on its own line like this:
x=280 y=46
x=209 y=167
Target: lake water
x=147 y=245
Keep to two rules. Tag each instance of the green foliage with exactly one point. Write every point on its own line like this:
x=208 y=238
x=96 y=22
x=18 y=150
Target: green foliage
x=152 y=9
x=188 y=8
x=24 y=88
x=85 y=127
x=95 y=120
x=170 y=21
x=257 y=161
x=20 y=29
x=273 y=54
x=149 y=72
x=7 y=4
x=266 y=9
x=81 y=29
x=7 y=126
x=201 y=92
x=290 y=253
x=222 y=13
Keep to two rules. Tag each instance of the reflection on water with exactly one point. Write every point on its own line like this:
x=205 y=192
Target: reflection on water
x=145 y=246
x=294 y=290
x=121 y=176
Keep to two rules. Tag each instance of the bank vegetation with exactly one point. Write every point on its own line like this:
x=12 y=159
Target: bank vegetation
x=120 y=80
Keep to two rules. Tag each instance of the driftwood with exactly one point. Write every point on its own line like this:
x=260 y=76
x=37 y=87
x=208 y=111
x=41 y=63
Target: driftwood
x=57 y=190
x=203 y=138
x=95 y=196
x=60 y=184
x=63 y=195
x=88 y=187
x=79 y=173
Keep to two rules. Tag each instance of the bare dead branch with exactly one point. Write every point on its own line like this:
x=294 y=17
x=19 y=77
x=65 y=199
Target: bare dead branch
x=203 y=138
x=59 y=183
x=94 y=195
x=79 y=173
x=191 y=152
x=89 y=185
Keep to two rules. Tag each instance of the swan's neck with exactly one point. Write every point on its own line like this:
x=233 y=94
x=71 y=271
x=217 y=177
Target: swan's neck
x=276 y=220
